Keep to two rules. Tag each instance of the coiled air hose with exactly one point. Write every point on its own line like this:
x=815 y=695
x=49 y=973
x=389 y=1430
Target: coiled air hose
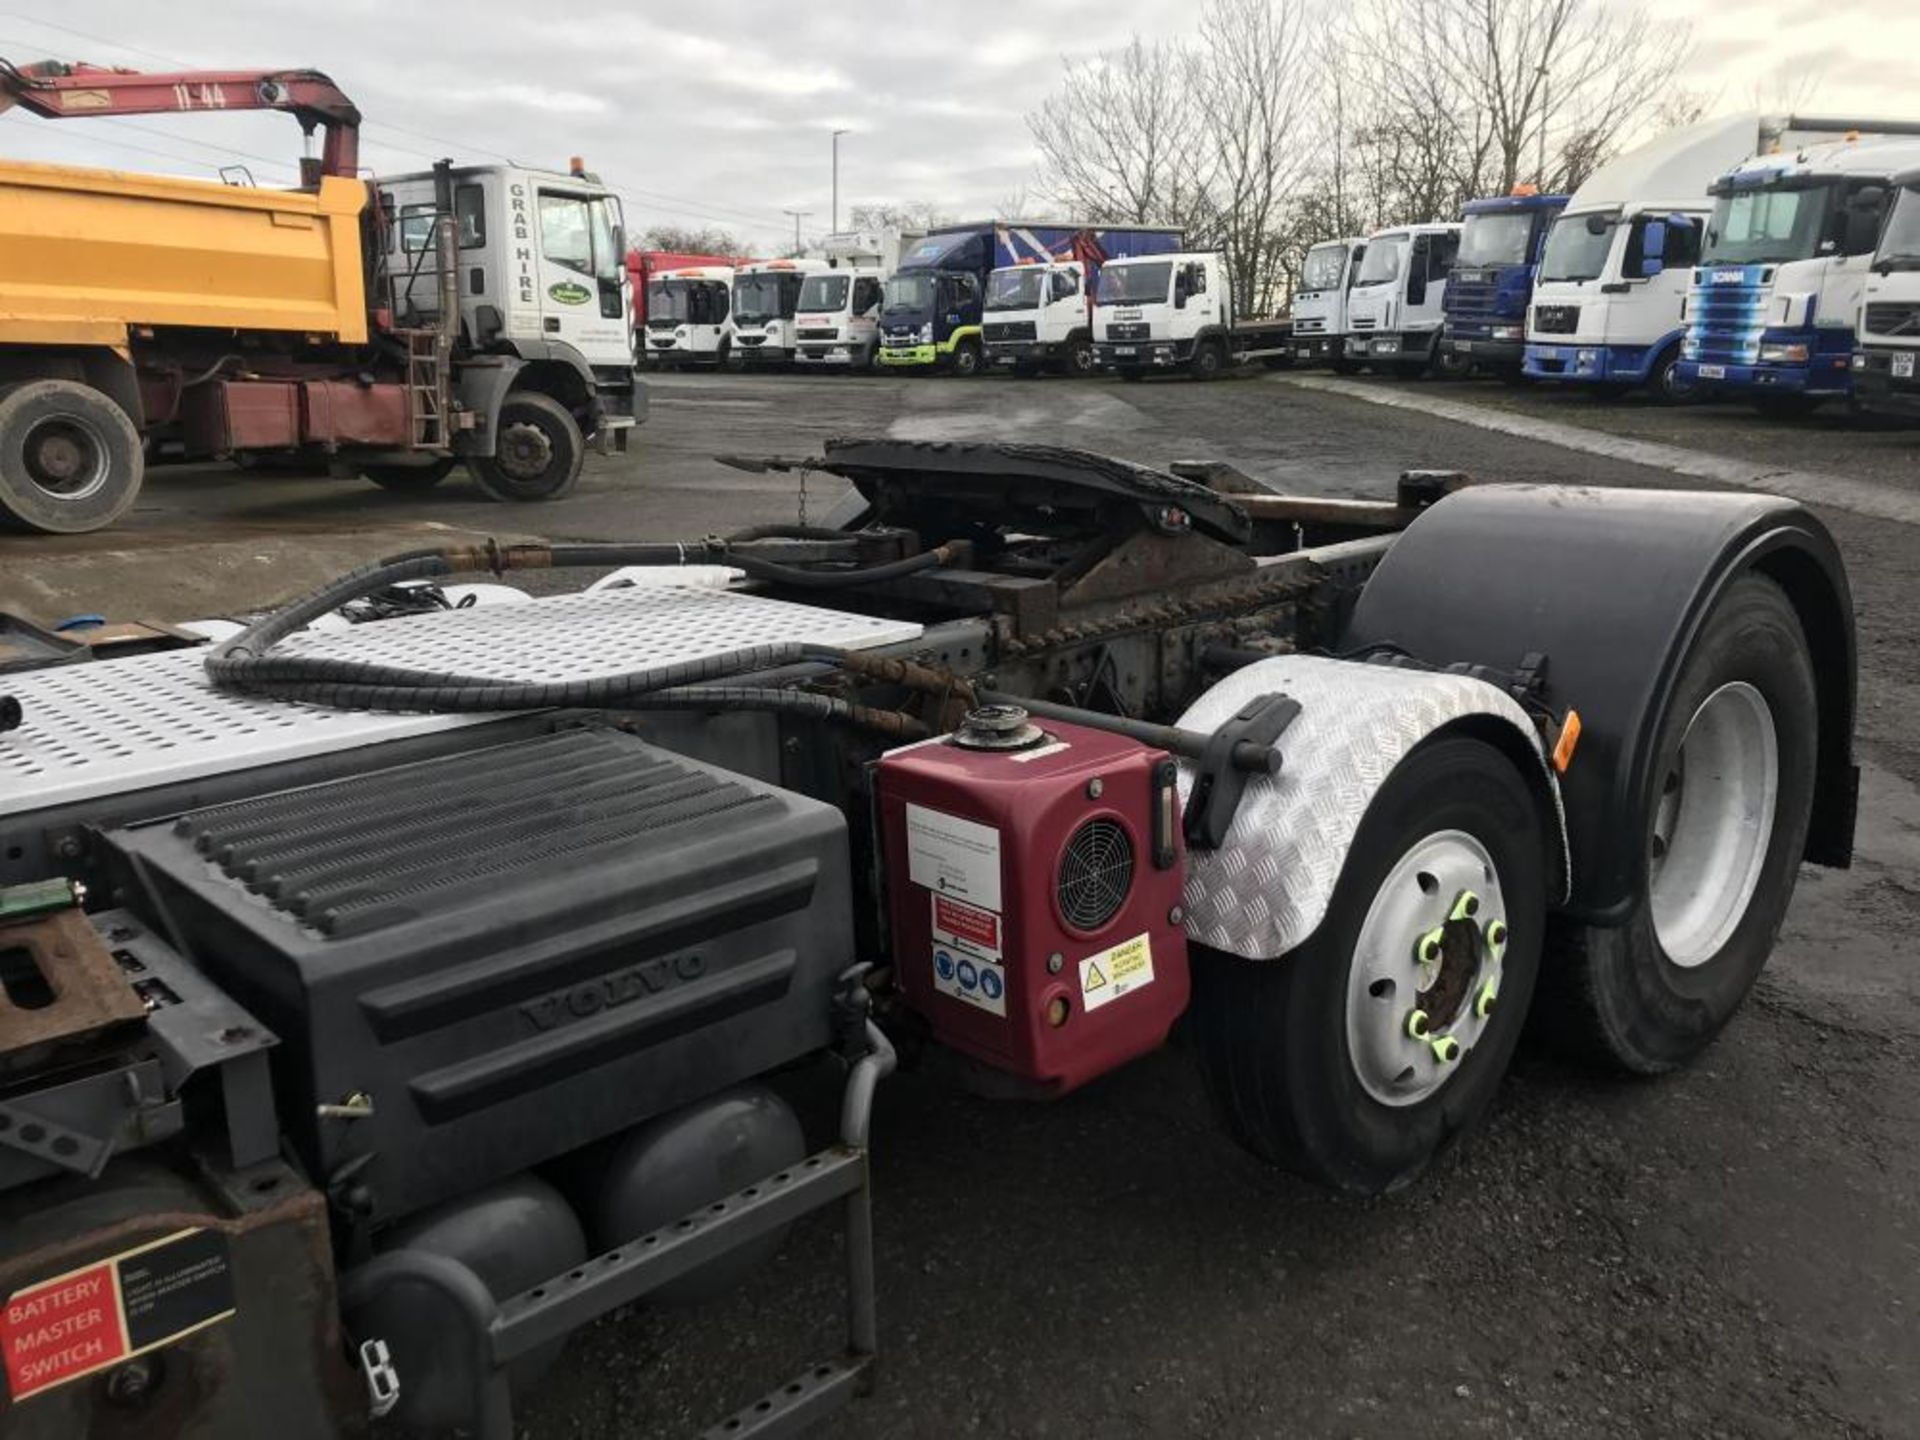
x=245 y=662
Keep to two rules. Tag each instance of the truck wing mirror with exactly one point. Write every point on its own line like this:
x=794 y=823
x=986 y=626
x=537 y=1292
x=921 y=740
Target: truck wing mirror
x=1653 y=249
x=1597 y=224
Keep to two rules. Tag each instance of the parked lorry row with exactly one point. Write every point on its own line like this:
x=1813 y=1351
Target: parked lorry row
x=1728 y=259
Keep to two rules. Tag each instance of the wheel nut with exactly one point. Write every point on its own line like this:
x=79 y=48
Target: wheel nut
x=1466 y=907
x=1429 y=949
x=1497 y=932
x=1483 y=1006
x=1417 y=1024
x=1446 y=1049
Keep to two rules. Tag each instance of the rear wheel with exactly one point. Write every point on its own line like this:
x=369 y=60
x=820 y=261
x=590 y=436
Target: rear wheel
x=70 y=458
x=410 y=479
x=1357 y=1057
x=537 y=453
x=1732 y=793
x=966 y=359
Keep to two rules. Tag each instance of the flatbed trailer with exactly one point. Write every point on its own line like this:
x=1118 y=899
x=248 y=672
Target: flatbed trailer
x=396 y=1001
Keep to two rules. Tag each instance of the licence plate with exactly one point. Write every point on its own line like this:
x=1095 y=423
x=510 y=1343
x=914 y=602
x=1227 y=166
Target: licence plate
x=1125 y=350
x=1713 y=372
x=1304 y=352
x=1901 y=367
x=1384 y=347
x=1465 y=347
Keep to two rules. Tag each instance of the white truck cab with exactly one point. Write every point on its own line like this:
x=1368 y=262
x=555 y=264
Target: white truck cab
x=1320 y=304
x=1607 y=305
x=1394 y=311
x=542 y=274
x=1887 y=344
x=766 y=298
x=837 y=316
x=687 y=313
x=1035 y=315
x=1172 y=311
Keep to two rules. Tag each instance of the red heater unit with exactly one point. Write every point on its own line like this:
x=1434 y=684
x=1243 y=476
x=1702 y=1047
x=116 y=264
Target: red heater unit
x=1034 y=879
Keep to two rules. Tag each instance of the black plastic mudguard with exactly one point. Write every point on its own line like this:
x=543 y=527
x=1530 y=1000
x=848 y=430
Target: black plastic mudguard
x=1612 y=586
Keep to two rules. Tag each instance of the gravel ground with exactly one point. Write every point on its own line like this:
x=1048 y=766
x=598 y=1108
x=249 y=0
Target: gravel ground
x=1732 y=1251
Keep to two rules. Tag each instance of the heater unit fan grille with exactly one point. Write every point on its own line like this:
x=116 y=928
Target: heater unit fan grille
x=1096 y=872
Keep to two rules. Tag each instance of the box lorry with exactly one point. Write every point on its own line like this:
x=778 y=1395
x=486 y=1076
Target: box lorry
x=1394 y=311
x=1491 y=285
x=381 y=1007
x=1771 y=311
x=400 y=326
x=687 y=316
x=837 y=317
x=1319 y=308
x=1888 y=336
x=1618 y=264
x=1039 y=309
x=1178 y=312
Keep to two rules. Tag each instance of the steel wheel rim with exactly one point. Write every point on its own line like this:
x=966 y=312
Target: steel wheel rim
x=524 y=451
x=1713 y=819
x=66 y=456
x=1387 y=976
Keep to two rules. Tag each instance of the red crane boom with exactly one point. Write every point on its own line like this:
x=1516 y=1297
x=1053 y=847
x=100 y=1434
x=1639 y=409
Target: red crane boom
x=60 y=91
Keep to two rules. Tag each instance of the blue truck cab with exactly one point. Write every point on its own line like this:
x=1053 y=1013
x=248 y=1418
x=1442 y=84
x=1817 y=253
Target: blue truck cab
x=1789 y=248
x=930 y=316
x=1492 y=280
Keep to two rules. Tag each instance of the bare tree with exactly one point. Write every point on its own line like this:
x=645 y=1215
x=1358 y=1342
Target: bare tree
x=685 y=240
x=1121 y=140
x=906 y=215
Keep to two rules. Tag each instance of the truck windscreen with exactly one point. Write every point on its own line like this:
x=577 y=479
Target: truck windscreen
x=1014 y=289
x=765 y=297
x=686 y=302
x=1499 y=238
x=1324 y=267
x=908 y=291
x=1134 y=284
x=1900 y=241
x=1577 y=247
x=1386 y=256
x=1766 y=227
x=824 y=293
x=666 y=300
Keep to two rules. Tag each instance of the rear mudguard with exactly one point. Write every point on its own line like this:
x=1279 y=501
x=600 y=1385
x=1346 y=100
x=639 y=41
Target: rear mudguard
x=1268 y=887
x=1612 y=586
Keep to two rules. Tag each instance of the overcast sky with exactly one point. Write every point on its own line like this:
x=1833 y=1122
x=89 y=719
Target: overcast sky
x=721 y=113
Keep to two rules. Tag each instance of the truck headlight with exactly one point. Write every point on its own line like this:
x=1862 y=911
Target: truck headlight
x=924 y=335
x=1504 y=332
x=1783 y=354
x=1690 y=348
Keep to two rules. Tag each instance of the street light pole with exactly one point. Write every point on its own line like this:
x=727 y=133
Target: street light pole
x=797 y=215
x=836 y=179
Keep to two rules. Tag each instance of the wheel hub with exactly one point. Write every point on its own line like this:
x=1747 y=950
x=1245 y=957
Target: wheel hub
x=1426 y=971
x=524 y=451
x=65 y=457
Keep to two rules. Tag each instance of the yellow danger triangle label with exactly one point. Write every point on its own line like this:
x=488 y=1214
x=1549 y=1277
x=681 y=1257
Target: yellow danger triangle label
x=1093 y=979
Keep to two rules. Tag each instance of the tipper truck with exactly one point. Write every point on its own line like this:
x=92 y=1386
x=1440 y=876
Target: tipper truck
x=1319 y=307
x=1888 y=335
x=1613 y=281
x=398 y=326
x=383 y=1004
x=1491 y=283
x=1771 y=311
x=1039 y=308
x=1178 y=312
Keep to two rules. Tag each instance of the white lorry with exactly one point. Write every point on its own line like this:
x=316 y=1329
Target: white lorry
x=687 y=316
x=1607 y=306
x=766 y=298
x=837 y=317
x=1167 y=312
x=1888 y=342
x=1394 y=311
x=1319 y=306
x=1771 y=310
x=1038 y=312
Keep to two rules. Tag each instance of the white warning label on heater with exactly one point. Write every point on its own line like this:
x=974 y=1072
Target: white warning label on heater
x=1114 y=972
x=951 y=856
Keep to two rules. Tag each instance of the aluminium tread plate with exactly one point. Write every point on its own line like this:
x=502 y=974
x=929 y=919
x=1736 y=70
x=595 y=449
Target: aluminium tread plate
x=115 y=726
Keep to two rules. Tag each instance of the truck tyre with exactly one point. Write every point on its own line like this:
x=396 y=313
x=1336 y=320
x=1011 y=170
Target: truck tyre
x=1665 y=383
x=1352 y=1060
x=966 y=359
x=1733 y=784
x=410 y=479
x=1079 y=358
x=538 y=451
x=1340 y=365
x=1790 y=406
x=1452 y=365
x=70 y=458
x=1209 y=359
